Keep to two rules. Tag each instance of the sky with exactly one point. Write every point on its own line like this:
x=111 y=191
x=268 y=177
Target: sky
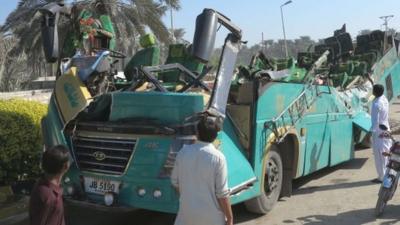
x=315 y=18
x=7 y=6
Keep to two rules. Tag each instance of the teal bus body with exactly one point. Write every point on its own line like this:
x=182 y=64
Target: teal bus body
x=145 y=165
x=316 y=149
x=323 y=137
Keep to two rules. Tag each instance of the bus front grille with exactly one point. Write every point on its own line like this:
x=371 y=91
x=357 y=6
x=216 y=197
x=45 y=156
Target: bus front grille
x=103 y=155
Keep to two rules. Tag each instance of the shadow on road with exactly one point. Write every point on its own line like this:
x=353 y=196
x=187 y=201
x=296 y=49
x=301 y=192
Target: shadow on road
x=77 y=216
x=139 y=217
x=312 y=189
x=354 y=164
x=242 y=215
x=361 y=216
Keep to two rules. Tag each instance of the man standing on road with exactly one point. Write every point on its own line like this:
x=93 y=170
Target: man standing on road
x=379 y=115
x=200 y=177
x=46 y=203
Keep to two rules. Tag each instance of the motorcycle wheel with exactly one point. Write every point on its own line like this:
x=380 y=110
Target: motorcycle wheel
x=394 y=188
x=384 y=194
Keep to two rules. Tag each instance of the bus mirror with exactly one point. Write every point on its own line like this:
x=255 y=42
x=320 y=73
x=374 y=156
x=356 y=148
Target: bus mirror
x=205 y=34
x=49 y=28
x=50 y=37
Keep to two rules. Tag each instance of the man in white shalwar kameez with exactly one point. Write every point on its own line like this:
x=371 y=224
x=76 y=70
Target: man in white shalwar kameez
x=379 y=116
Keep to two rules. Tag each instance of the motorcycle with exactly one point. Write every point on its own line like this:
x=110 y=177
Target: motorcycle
x=392 y=173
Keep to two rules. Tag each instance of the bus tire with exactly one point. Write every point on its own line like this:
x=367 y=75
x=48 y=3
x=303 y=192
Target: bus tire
x=272 y=184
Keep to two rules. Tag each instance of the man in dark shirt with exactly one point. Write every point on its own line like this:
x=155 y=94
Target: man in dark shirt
x=46 y=203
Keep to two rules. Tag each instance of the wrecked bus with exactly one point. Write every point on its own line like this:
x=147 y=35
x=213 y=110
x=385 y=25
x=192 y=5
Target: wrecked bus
x=281 y=117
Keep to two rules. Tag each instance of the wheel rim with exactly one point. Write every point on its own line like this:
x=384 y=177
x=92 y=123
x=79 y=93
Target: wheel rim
x=272 y=177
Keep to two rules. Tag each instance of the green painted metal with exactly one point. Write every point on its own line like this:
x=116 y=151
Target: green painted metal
x=148 y=56
x=239 y=168
x=52 y=125
x=341 y=146
x=167 y=108
x=179 y=53
x=316 y=149
x=323 y=134
x=144 y=174
x=363 y=121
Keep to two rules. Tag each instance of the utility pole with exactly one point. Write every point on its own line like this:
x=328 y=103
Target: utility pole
x=283 y=27
x=385 y=23
x=172 y=22
x=262 y=42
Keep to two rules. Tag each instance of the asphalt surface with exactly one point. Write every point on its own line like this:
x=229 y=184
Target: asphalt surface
x=341 y=195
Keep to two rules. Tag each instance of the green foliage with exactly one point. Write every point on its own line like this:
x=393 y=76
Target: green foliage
x=20 y=139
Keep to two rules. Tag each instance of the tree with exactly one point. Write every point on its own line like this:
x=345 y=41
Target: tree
x=5 y=46
x=12 y=67
x=130 y=19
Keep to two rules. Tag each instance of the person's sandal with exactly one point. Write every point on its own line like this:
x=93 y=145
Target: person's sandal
x=376 y=181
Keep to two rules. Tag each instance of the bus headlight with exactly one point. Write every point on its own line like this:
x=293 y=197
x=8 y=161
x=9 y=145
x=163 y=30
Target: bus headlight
x=67 y=180
x=157 y=193
x=141 y=192
x=70 y=190
x=108 y=199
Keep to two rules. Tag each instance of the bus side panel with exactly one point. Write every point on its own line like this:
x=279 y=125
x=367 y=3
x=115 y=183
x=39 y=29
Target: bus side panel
x=301 y=151
x=52 y=126
x=395 y=79
x=239 y=168
x=318 y=136
x=342 y=147
x=317 y=143
x=271 y=102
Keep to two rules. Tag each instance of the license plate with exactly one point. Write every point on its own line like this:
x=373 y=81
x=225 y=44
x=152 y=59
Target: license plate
x=99 y=186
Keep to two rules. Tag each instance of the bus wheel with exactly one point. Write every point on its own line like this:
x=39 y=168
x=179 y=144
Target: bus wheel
x=272 y=184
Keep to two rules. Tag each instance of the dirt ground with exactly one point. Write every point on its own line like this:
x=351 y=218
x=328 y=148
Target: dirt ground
x=341 y=195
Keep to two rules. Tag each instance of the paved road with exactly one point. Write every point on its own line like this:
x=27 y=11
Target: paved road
x=341 y=195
